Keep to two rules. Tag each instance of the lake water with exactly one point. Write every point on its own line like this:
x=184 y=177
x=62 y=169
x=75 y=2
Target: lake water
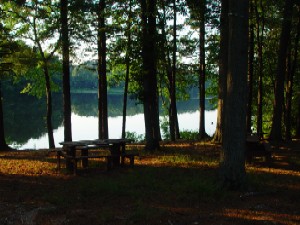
x=24 y=119
x=86 y=127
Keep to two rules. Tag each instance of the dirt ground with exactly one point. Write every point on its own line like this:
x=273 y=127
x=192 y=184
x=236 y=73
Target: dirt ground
x=32 y=192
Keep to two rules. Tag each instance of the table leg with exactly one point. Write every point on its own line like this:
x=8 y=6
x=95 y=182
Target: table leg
x=84 y=162
x=70 y=159
x=116 y=154
x=122 y=146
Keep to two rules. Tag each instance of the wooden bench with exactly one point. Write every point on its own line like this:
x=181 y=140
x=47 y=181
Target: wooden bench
x=84 y=158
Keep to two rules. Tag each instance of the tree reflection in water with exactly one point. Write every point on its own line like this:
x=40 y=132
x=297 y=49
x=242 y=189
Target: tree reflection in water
x=25 y=118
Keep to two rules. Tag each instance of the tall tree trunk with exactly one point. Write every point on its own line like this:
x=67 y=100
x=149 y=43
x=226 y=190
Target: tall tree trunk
x=250 y=69
x=45 y=61
x=290 y=84
x=127 y=61
x=3 y=145
x=223 y=67
x=260 y=35
x=171 y=72
x=102 y=80
x=48 y=88
x=232 y=165
x=202 y=133
x=276 y=130
x=298 y=120
x=174 y=126
x=150 y=96
x=66 y=70
x=49 y=106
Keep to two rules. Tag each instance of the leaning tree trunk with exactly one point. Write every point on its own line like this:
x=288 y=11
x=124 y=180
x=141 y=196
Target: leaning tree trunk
x=49 y=107
x=232 y=165
x=66 y=70
x=223 y=54
x=276 y=130
x=102 y=80
x=45 y=61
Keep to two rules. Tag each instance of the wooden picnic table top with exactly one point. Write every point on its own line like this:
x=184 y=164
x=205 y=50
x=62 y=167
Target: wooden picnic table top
x=103 y=142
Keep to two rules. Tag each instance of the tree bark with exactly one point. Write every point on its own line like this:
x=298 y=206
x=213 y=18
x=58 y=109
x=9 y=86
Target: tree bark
x=45 y=61
x=260 y=35
x=202 y=133
x=150 y=95
x=250 y=70
x=102 y=79
x=66 y=70
x=290 y=83
x=49 y=107
x=170 y=71
x=276 y=130
x=3 y=145
x=298 y=121
x=232 y=165
x=127 y=61
x=174 y=126
x=223 y=67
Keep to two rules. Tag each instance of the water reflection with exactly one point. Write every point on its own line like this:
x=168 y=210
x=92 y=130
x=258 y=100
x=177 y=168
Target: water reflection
x=25 y=119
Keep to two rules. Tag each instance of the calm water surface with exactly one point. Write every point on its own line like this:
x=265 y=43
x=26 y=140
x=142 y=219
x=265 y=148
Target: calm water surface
x=25 y=126
x=85 y=127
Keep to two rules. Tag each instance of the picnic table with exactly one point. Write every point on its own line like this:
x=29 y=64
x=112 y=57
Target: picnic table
x=116 y=157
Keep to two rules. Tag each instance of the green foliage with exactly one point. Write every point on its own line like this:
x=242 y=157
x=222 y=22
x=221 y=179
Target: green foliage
x=134 y=136
x=164 y=125
x=189 y=135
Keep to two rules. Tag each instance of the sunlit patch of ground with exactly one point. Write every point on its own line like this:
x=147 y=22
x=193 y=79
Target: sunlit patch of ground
x=262 y=216
x=174 y=186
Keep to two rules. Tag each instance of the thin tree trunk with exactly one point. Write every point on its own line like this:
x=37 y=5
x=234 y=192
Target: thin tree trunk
x=250 y=70
x=290 y=84
x=48 y=88
x=102 y=80
x=127 y=61
x=276 y=130
x=174 y=126
x=49 y=107
x=223 y=67
x=232 y=165
x=260 y=35
x=298 y=121
x=202 y=133
x=171 y=73
x=66 y=71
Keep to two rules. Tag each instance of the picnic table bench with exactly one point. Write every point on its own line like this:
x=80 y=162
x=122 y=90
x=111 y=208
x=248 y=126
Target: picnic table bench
x=114 y=158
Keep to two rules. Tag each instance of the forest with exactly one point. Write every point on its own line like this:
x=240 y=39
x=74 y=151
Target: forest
x=156 y=51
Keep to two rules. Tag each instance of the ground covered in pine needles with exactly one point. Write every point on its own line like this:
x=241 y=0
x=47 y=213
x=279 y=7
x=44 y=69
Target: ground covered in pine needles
x=176 y=186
